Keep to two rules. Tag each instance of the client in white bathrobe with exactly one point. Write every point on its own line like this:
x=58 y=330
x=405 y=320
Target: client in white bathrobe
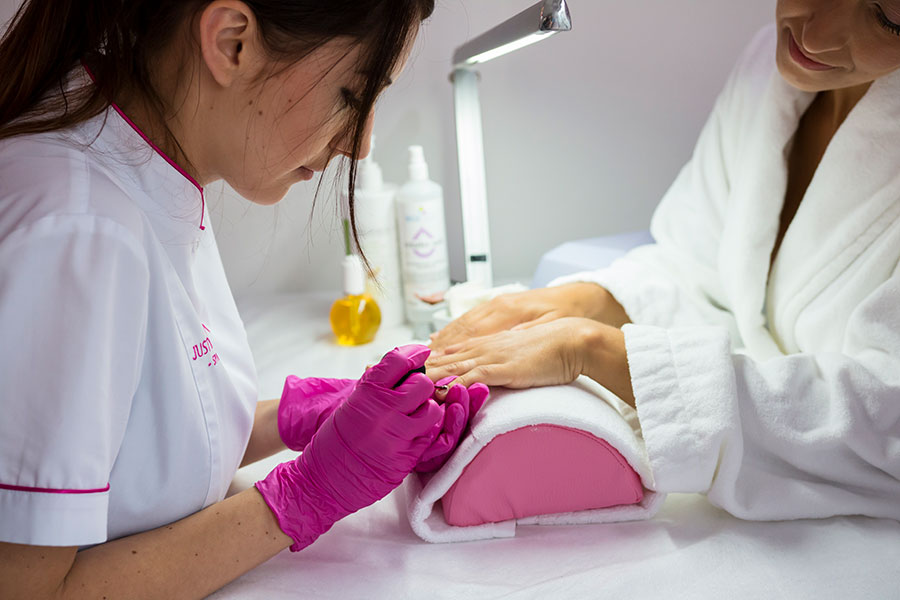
x=759 y=337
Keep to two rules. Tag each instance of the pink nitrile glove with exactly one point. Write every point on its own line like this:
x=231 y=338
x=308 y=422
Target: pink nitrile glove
x=306 y=403
x=460 y=407
x=361 y=453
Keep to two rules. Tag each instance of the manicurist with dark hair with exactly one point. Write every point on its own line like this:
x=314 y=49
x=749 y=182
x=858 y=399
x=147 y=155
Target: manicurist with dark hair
x=127 y=388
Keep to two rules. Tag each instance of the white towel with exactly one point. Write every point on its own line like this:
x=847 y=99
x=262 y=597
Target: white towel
x=581 y=405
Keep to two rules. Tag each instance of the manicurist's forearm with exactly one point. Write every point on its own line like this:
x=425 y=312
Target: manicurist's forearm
x=190 y=558
x=264 y=437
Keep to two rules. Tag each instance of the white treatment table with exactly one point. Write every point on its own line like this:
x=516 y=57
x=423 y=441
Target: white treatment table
x=689 y=550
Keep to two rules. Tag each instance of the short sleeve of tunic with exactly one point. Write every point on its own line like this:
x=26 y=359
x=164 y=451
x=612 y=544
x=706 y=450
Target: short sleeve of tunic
x=73 y=315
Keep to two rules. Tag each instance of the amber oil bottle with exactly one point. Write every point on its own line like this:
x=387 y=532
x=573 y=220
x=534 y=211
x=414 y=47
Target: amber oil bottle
x=355 y=317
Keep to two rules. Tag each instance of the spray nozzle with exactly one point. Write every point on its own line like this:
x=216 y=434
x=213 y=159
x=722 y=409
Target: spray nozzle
x=418 y=168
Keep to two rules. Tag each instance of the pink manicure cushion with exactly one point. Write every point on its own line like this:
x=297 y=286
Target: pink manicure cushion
x=540 y=470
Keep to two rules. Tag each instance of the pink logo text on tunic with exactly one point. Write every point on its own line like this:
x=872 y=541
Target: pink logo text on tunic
x=206 y=347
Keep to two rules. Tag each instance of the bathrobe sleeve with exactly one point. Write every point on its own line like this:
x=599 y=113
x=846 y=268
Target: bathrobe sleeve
x=73 y=312
x=797 y=436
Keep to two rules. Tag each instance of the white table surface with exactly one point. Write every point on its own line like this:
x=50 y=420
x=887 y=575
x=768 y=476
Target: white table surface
x=689 y=550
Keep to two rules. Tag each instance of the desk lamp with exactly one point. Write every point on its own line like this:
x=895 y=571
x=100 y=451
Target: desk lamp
x=533 y=24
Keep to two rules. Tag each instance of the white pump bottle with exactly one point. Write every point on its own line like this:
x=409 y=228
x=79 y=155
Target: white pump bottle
x=423 y=242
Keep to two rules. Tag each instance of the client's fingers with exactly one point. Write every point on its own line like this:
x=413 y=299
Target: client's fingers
x=442 y=386
x=475 y=370
x=545 y=318
x=457 y=395
x=444 y=381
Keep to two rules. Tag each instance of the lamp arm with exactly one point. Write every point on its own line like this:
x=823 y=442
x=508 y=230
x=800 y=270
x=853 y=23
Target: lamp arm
x=544 y=18
x=531 y=25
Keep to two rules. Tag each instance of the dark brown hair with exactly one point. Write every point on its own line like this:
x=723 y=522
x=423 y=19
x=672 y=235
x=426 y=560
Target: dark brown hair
x=119 y=39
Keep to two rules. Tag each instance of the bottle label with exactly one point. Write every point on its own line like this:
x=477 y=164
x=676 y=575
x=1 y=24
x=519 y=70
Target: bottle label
x=423 y=251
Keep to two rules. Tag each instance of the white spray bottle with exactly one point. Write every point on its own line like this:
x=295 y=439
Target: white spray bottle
x=423 y=243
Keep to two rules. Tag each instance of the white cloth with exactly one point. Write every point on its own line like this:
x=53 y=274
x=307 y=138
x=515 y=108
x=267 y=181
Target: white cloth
x=777 y=395
x=583 y=405
x=127 y=387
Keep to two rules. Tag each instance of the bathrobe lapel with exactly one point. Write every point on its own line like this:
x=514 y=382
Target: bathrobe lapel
x=853 y=198
x=758 y=188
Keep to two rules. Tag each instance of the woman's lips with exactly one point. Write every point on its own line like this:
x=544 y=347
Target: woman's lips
x=803 y=60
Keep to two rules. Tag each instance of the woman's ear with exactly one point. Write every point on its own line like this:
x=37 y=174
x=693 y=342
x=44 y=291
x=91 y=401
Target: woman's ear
x=228 y=40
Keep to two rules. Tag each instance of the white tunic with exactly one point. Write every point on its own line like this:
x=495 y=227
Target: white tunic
x=127 y=387
x=777 y=395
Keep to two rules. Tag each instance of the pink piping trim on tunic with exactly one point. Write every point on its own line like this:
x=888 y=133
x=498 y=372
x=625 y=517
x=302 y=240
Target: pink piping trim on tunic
x=19 y=488
x=158 y=150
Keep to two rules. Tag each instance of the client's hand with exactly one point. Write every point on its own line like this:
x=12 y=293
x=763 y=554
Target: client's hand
x=502 y=313
x=361 y=452
x=530 y=308
x=551 y=353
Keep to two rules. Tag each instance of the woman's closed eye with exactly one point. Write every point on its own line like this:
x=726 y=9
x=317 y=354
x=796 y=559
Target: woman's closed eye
x=885 y=21
x=350 y=99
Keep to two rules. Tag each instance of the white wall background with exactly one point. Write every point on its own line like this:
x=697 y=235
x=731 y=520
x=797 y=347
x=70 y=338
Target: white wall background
x=584 y=132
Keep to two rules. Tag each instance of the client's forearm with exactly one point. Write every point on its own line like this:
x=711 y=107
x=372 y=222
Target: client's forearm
x=605 y=359
x=593 y=301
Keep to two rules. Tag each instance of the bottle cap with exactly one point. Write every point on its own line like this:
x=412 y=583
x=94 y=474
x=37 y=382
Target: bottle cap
x=418 y=168
x=354 y=276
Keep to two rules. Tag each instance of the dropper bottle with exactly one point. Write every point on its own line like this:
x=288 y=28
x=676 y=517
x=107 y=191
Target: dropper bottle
x=355 y=318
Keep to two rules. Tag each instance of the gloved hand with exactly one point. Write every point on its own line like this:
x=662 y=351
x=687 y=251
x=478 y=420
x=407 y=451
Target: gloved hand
x=460 y=407
x=306 y=404
x=361 y=452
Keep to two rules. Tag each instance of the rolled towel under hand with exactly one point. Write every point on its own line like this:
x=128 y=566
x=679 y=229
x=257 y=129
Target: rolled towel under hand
x=565 y=423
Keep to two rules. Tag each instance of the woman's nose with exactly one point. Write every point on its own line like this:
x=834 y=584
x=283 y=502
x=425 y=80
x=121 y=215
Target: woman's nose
x=826 y=28
x=344 y=145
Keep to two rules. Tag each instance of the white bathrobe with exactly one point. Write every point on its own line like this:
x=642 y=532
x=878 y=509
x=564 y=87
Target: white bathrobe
x=776 y=395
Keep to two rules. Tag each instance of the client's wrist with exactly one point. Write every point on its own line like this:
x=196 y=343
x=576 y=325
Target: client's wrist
x=604 y=358
x=583 y=299
x=593 y=301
